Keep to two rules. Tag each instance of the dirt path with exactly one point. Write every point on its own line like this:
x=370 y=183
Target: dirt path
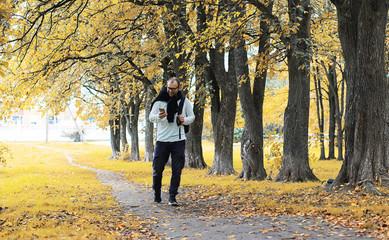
x=194 y=220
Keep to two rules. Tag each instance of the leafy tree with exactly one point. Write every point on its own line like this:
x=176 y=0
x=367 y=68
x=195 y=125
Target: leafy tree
x=224 y=91
x=361 y=26
x=177 y=60
x=295 y=162
x=252 y=97
x=84 y=47
x=194 y=154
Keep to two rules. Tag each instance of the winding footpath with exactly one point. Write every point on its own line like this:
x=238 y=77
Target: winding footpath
x=185 y=222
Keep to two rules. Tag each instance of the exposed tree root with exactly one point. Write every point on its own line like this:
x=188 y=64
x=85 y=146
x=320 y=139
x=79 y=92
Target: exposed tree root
x=370 y=187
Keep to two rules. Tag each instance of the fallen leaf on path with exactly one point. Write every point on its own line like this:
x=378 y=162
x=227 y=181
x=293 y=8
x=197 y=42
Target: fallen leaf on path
x=269 y=230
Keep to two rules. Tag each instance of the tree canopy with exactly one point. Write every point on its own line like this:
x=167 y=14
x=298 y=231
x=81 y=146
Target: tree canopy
x=111 y=57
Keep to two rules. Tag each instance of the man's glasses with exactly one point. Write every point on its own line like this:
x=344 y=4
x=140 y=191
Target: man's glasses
x=172 y=89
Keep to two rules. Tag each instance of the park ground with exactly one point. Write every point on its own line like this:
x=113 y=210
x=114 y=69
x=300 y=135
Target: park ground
x=72 y=191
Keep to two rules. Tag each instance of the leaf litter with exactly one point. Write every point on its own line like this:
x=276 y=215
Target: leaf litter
x=210 y=213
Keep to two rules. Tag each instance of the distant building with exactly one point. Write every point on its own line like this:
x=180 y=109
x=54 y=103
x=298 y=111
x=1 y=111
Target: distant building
x=30 y=125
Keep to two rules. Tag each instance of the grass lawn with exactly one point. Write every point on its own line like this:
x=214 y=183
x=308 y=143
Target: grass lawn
x=46 y=196
x=42 y=196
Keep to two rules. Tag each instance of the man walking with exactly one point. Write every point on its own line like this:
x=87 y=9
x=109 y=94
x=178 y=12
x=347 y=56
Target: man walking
x=170 y=136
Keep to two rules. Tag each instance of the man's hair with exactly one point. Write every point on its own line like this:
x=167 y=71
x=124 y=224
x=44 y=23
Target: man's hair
x=174 y=79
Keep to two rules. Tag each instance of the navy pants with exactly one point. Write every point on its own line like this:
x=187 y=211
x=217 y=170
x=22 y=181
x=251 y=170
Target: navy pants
x=161 y=156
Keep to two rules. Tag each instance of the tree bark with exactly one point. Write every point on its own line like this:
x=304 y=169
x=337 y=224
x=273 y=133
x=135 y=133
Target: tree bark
x=338 y=104
x=252 y=102
x=194 y=149
x=114 y=127
x=132 y=126
x=362 y=35
x=386 y=162
x=295 y=162
x=332 y=95
x=149 y=130
x=320 y=113
x=178 y=30
x=123 y=133
x=224 y=94
x=174 y=23
x=339 y=117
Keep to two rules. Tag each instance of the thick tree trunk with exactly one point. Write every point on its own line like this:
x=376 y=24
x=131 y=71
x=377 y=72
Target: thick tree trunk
x=149 y=130
x=362 y=35
x=114 y=127
x=295 y=162
x=178 y=30
x=194 y=149
x=320 y=113
x=223 y=110
x=252 y=103
x=385 y=177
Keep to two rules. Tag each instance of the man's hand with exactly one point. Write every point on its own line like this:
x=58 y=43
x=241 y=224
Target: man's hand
x=181 y=118
x=162 y=115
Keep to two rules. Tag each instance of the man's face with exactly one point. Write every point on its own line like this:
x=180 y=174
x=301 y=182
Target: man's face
x=172 y=88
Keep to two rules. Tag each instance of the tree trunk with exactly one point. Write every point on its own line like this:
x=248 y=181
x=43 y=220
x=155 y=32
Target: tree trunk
x=252 y=102
x=332 y=95
x=386 y=162
x=123 y=133
x=224 y=94
x=132 y=126
x=114 y=127
x=338 y=104
x=295 y=162
x=339 y=117
x=385 y=179
x=178 y=30
x=149 y=130
x=194 y=149
x=320 y=113
x=175 y=33
x=362 y=35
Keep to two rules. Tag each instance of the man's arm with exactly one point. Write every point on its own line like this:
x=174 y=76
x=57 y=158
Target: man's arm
x=154 y=113
x=189 y=116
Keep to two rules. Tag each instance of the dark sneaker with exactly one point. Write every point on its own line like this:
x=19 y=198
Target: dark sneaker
x=172 y=201
x=157 y=197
